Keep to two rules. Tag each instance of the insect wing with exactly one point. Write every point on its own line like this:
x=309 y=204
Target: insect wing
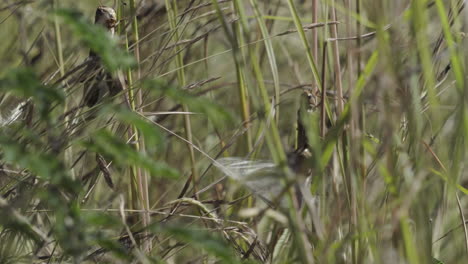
x=262 y=177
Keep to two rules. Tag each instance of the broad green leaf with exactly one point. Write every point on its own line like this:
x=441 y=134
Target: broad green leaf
x=215 y=112
x=123 y=154
x=208 y=241
x=97 y=39
x=154 y=139
x=24 y=83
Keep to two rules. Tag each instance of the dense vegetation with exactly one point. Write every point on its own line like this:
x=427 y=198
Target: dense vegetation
x=258 y=131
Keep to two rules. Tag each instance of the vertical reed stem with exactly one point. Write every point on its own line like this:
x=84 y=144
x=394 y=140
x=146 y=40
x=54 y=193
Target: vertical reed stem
x=172 y=15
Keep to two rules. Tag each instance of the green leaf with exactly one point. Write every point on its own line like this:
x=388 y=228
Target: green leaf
x=208 y=241
x=98 y=40
x=154 y=139
x=102 y=220
x=33 y=158
x=123 y=154
x=24 y=83
x=117 y=249
x=216 y=113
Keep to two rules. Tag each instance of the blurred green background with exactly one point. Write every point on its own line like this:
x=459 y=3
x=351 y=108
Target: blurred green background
x=354 y=110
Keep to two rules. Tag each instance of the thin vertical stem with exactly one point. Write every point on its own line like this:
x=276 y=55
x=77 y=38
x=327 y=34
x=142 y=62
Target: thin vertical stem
x=323 y=111
x=58 y=41
x=270 y=54
x=237 y=40
x=315 y=31
x=172 y=15
x=136 y=183
x=336 y=61
x=58 y=44
x=142 y=175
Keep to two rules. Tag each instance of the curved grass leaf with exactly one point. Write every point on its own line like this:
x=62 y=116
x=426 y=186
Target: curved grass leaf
x=216 y=113
x=123 y=154
x=43 y=164
x=154 y=139
x=97 y=39
x=212 y=244
x=24 y=83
